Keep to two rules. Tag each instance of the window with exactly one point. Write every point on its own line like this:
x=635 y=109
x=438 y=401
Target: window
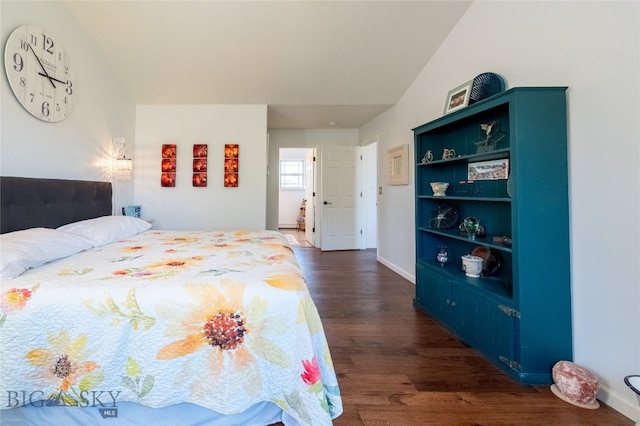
x=291 y=174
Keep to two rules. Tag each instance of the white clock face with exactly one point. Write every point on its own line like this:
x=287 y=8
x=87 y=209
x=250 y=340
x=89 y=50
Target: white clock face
x=40 y=73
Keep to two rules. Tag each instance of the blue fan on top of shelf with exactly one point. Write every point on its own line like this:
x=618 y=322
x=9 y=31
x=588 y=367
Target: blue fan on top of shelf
x=485 y=85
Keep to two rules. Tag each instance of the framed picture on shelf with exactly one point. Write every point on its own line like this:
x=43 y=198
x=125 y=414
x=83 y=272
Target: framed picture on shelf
x=489 y=170
x=458 y=98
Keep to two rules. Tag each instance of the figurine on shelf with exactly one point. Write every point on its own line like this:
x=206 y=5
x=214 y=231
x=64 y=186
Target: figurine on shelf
x=428 y=157
x=489 y=137
x=448 y=153
x=471 y=228
x=443 y=255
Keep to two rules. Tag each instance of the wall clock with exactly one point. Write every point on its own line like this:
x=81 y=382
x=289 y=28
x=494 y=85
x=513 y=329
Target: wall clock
x=40 y=73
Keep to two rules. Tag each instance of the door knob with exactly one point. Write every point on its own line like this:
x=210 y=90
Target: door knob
x=326 y=202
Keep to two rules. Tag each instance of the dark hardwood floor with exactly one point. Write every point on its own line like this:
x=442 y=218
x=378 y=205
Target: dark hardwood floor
x=397 y=366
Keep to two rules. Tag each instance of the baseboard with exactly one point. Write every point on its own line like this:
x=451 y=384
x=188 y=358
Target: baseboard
x=395 y=268
x=623 y=405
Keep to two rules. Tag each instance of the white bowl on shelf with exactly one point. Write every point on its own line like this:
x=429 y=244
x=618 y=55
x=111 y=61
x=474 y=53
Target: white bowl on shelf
x=472 y=265
x=439 y=188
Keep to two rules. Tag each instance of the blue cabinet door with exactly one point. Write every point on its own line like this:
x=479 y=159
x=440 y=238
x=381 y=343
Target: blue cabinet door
x=497 y=334
x=464 y=318
x=434 y=294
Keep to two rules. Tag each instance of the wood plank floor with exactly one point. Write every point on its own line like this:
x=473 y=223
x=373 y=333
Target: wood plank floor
x=299 y=235
x=398 y=366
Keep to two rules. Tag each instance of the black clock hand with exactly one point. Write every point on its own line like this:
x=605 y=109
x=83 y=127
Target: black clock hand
x=52 y=78
x=41 y=66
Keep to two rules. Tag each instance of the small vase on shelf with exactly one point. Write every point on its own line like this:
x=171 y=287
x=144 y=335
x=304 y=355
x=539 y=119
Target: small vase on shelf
x=443 y=255
x=471 y=226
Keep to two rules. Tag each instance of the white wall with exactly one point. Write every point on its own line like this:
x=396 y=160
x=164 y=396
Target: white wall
x=80 y=146
x=289 y=203
x=593 y=48
x=185 y=207
x=590 y=46
x=290 y=200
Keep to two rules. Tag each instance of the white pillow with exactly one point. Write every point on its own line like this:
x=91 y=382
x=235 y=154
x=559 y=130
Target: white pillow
x=21 y=250
x=107 y=229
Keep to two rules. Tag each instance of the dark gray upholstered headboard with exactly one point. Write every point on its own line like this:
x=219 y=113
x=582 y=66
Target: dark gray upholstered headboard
x=49 y=203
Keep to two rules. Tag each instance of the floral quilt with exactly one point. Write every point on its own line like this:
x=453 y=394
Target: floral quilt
x=220 y=319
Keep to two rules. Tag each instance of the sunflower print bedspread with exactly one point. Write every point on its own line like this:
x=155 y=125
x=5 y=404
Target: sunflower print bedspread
x=220 y=319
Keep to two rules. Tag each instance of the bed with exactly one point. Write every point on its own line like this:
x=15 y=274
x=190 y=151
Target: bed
x=106 y=321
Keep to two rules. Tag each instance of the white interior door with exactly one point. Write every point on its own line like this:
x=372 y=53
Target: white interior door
x=310 y=193
x=341 y=199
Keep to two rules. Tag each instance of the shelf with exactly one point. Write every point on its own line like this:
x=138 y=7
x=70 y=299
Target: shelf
x=455 y=234
x=471 y=158
x=459 y=198
x=504 y=315
x=450 y=270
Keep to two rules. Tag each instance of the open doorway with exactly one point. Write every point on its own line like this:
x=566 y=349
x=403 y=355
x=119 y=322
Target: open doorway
x=290 y=200
x=295 y=187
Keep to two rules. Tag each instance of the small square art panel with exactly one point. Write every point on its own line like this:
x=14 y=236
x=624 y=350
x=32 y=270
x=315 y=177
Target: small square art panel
x=168 y=165
x=200 y=151
x=169 y=151
x=231 y=150
x=199 y=165
x=200 y=180
x=168 y=180
x=231 y=180
x=231 y=165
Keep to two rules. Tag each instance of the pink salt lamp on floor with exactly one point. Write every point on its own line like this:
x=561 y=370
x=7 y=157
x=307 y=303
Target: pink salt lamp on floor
x=575 y=385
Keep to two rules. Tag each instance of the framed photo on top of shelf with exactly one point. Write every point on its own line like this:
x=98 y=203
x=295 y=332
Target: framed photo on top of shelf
x=458 y=98
x=489 y=170
x=398 y=165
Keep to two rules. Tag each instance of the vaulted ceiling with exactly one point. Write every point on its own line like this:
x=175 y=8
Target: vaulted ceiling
x=316 y=64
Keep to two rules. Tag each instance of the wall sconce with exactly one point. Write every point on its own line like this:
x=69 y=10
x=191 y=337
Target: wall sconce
x=121 y=166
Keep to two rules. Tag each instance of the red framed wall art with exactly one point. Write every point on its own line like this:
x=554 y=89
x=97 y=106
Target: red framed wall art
x=231 y=159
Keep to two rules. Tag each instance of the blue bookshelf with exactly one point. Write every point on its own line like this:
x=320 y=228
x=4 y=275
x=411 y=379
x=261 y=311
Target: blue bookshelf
x=519 y=315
